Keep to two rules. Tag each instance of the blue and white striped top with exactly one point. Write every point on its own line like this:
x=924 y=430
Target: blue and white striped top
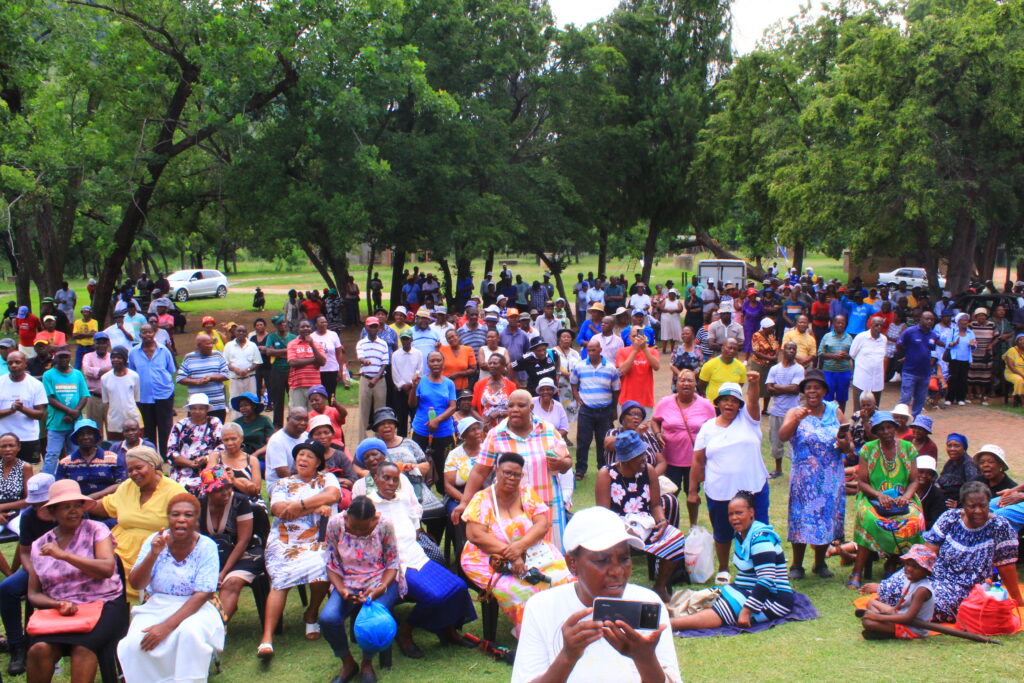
x=195 y=365
x=375 y=351
x=596 y=384
x=473 y=338
x=762 y=575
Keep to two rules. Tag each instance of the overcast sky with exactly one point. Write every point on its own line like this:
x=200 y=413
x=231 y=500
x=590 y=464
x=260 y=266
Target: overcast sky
x=750 y=17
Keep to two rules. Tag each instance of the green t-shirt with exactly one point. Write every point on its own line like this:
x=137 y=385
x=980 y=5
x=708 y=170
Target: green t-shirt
x=276 y=342
x=832 y=343
x=255 y=433
x=69 y=388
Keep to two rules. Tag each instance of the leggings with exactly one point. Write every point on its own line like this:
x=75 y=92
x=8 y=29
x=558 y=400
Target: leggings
x=329 y=378
x=957 y=380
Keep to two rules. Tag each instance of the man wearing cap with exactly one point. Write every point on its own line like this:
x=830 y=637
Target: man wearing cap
x=398 y=321
x=535 y=365
x=638 y=318
x=134 y=319
x=50 y=332
x=424 y=338
x=559 y=641
x=95 y=364
x=792 y=308
x=277 y=350
x=43 y=359
x=724 y=328
x=614 y=293
x=28 y=326
x=82 y=331
x=515 y=341
x=243 y=359
x=406 y=366
x=23 y=404
x=119 y=333
x=47 y=306
x=641 y=300
x=473 y=334
x=374 y=357
x=6 y=346
x=204 y=371
x=67 y=394
x=441 y=325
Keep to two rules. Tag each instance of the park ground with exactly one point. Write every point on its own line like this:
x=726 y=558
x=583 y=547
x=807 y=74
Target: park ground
x=827 y=648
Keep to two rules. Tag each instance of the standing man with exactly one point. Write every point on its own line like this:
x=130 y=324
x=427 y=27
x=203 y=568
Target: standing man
x=28 y=326
x=515 y=341
x=724 y=328
x=83 y=331
x=536 y=365
x=406 y=369
x=783 y=386
x=277 y=350
x=66 y=300
x=373 y=355
x=595 y=386
x=917 y=343
x=376 y=291
x=155 y=366
x=204 y=371
x=440 y=326
x=792 y=308
x=547 y=325
x=834 y=351
x=22 y=406
x=243 y=359
x=95 y=364
x=424 y=338
x=67 y=394
x=305 y=358
x=807 y=348
x=721 y=369
x=473 y=334
x=868 y=352
x=859 y=314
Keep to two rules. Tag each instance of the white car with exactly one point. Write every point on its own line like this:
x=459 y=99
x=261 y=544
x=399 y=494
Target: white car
x=186 y=284
x=914 y=277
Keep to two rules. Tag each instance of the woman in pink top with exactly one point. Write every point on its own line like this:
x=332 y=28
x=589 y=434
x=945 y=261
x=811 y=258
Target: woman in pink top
x=71 y=566
x=678 y=417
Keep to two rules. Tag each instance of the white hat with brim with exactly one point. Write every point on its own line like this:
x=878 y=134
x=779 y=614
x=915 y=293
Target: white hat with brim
x=993 y=450
x=926 y=462
x=903 y=410
x=198 y=399
x=730 y=389
x=597 y=529
x=766 y=323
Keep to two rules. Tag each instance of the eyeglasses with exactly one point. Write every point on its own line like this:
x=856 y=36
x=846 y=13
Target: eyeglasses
x=514 y=476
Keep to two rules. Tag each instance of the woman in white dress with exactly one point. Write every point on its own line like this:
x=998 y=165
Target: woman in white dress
x=568 y=358
x=176 y=632
x=671 y=322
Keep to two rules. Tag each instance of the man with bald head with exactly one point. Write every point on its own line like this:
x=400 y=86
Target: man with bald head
x=22 y=405
x=204 y=371
x=595 y=386
x=609 y=340
x=280 y=462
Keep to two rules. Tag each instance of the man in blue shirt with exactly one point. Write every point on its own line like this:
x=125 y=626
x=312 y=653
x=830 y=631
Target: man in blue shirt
x=917 y=343
x=638 y=319
x=155 y=366
x=859 y=314
x=595 y=386
x=515 y=341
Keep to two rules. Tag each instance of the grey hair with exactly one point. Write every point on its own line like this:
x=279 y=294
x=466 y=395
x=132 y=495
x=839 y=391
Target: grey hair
x=233 y=427
x=974 y=487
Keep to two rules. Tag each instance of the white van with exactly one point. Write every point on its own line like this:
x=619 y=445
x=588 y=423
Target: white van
x=723 y=270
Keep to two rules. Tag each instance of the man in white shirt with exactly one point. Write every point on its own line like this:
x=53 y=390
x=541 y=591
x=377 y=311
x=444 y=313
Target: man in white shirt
x=710 y=296
x=441 y=324
x=279 y=458
x=22 y=405
x=121 y=333
x=242 y=357
x=868 y=354
x=783 y=385
x=406 y=366
x=641 y=300
x=374 y=357
x=594 y=295
x=609 y=340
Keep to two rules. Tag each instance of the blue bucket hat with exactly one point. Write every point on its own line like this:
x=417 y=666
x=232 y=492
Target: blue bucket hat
x=370 y=444
x=881 y=416
x=85 y=423
x=628 y=445
x=248 y=396
x=631 y=405
x=924 y=422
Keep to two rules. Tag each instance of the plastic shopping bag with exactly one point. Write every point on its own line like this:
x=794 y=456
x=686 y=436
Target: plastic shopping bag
x=700 y=555
x=987 y=615
x=375 y=628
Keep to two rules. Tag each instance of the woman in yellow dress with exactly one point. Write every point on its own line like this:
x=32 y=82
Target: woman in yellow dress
x=1014 y=369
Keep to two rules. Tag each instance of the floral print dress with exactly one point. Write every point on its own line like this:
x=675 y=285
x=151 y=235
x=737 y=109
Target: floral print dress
x=510 y=591
x=895 y=534
x=189 y=440
x=631 y=496
x=817 y=497
x=295 y=553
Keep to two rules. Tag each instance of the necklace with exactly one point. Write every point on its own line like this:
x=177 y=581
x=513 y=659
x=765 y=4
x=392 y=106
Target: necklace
x=889 y=464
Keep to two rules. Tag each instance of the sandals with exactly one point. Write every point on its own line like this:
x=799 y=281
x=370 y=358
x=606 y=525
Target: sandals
x=312 y=630
x=853 y=581
x=859 y=613
x=265 y=651
x=722 y=578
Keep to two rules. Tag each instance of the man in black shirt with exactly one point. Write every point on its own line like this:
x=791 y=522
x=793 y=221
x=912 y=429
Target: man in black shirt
x=537 y=365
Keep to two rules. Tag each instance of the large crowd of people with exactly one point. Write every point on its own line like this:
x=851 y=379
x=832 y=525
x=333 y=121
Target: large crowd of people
x=144 y=519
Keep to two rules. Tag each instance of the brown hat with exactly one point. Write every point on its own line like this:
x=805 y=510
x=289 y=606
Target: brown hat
x=67 y=490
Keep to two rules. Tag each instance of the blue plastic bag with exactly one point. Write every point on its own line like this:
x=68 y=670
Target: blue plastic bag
x=375 y=628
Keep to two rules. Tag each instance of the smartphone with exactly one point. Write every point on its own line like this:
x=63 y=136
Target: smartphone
x=844 y=430
x=639 y=615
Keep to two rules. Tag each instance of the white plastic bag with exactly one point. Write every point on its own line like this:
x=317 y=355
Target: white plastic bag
x=700 y=555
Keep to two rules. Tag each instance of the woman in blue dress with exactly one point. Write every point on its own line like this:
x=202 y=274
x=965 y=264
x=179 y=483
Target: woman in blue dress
x=817 y=495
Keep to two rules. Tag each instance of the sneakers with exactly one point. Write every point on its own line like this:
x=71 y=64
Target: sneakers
x=961 y=403
x=947 y=403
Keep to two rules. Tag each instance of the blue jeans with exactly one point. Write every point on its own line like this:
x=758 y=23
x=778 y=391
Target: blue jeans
x=336 y=611
x=914 y=389
x=12 y=593
x=56 y=442
x=591 y=425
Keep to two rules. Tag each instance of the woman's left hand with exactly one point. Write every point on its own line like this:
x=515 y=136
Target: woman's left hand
x=743 y=620
x=628 y=642
x=901 y=501
x=658 y=529
x=845 y=443
x=325 y=510
x=432 y=425
x=155 y=635
x=513 y=551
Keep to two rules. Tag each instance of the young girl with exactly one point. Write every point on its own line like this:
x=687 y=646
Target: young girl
x=882 y=621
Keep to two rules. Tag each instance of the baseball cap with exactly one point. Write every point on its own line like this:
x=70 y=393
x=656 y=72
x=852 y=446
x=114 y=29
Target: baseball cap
x=7 y=343
x=405 y=334
x=209 y=319
x=597 y=529
x=372 y=320
x=512 y=313
x=926 y=462
x=100 y=335
x=22 y=312
x=731 y=389
x=38 y=487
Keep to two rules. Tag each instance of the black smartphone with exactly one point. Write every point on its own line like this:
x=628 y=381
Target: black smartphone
x=844 y=429
x=639 y=615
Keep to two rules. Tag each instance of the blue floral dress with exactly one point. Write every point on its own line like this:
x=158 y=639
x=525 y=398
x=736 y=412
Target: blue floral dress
x=817 y=501
x=966 y=558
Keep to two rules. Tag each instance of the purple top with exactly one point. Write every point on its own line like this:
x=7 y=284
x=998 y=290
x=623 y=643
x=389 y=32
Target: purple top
x=61 y=581
x=752 y=315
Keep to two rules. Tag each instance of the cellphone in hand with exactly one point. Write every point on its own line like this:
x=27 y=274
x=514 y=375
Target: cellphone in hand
x=844 y=431
x=639 y=615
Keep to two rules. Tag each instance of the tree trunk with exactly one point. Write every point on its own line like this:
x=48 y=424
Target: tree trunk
x=650 y=247
x=929 y=260
x=338 y=263
x=987 y=263
x=556 y=270
x=602 y=249
x=798 y=257
x=369 y=277
x=1020 y=269
x=964 y=238
x=446 y=270
x=318 y=263
x=397 y=266
x=489 y=262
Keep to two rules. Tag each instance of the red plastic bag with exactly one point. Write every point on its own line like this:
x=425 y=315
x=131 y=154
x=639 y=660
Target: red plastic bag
x=984 y=614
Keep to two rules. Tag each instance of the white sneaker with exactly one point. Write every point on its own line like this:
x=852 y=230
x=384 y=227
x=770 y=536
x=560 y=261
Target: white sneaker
x=960 y=403
x=947 y=403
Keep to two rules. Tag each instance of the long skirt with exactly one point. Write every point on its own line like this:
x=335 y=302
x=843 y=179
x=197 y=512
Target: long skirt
x=442 y=599
x=892 y=535
x=671 y=327
x=670 y=546
x=184 y=655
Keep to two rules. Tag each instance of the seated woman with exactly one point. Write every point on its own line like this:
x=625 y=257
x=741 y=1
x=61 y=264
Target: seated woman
x=442 y=600
x=322 y=431
x=244 y=472
x=971 y=542
x=14 y=475
x=73 y=565
x=139 y=505
x=505 y=552
x=460 y=461
x=958 y=470
x=993 y=468
x=97 y=471
x=191 y=440
x=177 y=631
x=761 y=591
x=256 y=427
x=632 y=417
x=629 y=488
x=295 y=550
x=226 y=516
x=132 y=433
x=889 y=518
x=362 y=564
x=414 y=464
x=1013 y=370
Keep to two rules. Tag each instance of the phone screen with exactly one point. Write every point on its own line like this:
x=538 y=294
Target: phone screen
x=843 y=431
x=639 y=615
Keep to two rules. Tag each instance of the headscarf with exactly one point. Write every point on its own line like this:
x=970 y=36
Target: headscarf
x=212 y=479
x=146 y=455
x=955 y=436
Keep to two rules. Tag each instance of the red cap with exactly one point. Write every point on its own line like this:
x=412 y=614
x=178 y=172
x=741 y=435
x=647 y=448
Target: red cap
x=372 y=320
x=209 y=319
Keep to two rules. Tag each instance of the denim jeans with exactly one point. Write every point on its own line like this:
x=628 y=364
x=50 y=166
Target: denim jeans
x=914 y=389
x=12 y=594
x=336 y=611
x=55 y=443
x=591 y=425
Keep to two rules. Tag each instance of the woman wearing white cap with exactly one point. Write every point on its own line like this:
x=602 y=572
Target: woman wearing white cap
x=560 y=642
x=191 y=440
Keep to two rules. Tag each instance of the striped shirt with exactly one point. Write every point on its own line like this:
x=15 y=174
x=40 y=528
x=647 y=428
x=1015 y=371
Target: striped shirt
x=306 y=375
x=473 y=338
x=762 y=573
x=532 y=448
x=195 y=365
x=596 y=384
x=375 y=351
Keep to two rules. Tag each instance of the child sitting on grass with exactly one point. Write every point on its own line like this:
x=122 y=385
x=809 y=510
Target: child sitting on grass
x=882 y=621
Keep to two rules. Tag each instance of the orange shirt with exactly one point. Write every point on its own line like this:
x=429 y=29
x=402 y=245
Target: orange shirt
x=458 y=362
x=56 y=338
x=638 y=383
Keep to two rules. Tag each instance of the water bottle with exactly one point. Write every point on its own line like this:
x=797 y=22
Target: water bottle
x=997 y=591
x=431 y=414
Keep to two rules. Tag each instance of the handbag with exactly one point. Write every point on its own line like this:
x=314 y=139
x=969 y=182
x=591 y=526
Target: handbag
x=45 y=622
x=538 y=555
x=893 y=511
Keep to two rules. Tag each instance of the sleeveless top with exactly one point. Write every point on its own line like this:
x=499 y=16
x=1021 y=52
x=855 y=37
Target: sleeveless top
x=12 y=487
x=630 y=494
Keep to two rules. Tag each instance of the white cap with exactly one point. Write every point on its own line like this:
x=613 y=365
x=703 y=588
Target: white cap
x=767 y=322
x=198 y=399
x=401 y=309
x=902 y=409
x=926 y=462
x=597 y=529
x=546 y=382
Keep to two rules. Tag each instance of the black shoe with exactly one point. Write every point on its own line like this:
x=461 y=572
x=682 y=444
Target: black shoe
x=580 y=475
x=859 y=613
x=368 y=678
x=16 y=666
x=411 y=651
x=797 y=573
x=823 y=572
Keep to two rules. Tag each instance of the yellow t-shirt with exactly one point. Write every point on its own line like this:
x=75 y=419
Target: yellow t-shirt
x=716 y=373
x=85 y=327
x=806 y=346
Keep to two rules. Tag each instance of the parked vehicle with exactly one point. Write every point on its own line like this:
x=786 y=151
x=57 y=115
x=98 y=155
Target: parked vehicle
x=188 y=284
x=968 y=303
x=914 y=277
x=723 y=270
